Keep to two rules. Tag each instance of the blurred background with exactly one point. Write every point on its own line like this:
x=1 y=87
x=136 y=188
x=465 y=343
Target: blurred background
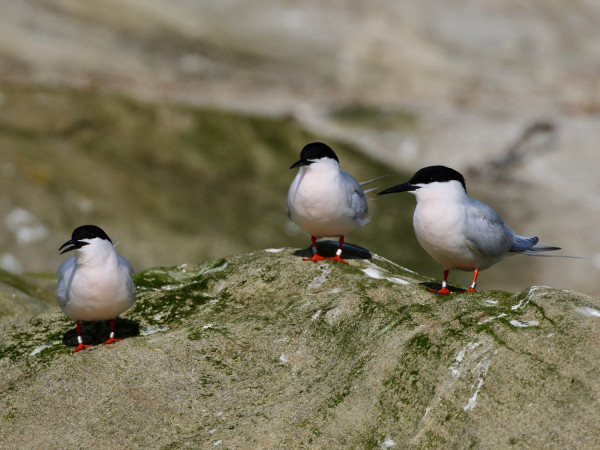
x=172 y=124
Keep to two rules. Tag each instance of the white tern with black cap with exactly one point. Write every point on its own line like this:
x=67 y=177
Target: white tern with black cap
x=95 y=283
x=458 y=231
x=324 y=200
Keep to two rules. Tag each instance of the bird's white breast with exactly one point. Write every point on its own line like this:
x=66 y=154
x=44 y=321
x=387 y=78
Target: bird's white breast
x=319 y=201
x=436 y=230
x=439 y=221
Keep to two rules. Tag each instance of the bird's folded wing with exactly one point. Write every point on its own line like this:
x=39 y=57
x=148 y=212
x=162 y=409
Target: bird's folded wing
x=65 y=274
x=127 y=269
x=484 y=232
x=126 y=265
x=356 y=199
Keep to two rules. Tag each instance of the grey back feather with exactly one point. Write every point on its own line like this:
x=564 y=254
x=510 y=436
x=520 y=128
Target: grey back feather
x=356 y=197
x=485 y=231
x=127 y=270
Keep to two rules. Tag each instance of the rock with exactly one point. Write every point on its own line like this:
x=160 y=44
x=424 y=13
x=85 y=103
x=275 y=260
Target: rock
x=265 y=350
x=20 y=297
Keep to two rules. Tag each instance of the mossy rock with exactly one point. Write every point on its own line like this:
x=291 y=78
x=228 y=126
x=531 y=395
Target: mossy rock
x=21 y=297
x=266 y=350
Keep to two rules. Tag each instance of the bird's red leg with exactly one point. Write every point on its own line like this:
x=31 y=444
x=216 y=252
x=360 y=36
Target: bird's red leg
x=444 y=290
x=112 y=339
x=472 y=288
x=81 y=345
x=338 y=253
x=315 y=256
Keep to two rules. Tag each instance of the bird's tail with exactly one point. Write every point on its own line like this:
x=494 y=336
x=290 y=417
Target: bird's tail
x=527 y=246
x=523 y=244
x=364 y=183
x=539 y=250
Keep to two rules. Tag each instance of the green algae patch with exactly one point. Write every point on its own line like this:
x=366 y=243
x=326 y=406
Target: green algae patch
x=169 y=295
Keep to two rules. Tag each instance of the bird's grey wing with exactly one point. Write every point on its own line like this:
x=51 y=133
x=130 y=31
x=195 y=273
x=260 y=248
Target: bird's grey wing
x=125 y=265
x=127 y=269
x=65 y=274
x=357 y=201
x=485 y=232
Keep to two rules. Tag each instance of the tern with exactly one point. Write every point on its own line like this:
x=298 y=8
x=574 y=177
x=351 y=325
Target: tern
x=324 y=200
x=458 y=231
x=95 y=283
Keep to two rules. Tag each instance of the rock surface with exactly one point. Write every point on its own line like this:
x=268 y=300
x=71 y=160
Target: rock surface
x=20 y=297
x=265 y=350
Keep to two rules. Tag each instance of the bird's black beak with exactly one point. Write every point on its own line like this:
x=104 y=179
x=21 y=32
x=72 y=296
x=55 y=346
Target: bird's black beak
x=74 y=245
x=301 y=162
x=404 y=187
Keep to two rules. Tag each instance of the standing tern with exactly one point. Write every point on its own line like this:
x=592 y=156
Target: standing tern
x=95 y=283
x=324 y=200
x=458 y=231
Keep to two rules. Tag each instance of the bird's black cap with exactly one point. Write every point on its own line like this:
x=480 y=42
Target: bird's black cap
x=84 y=232
x=432 y=174
x=426 y=175
x=312 y=152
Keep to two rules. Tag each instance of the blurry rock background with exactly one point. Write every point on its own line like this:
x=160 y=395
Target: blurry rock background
x=173 y=124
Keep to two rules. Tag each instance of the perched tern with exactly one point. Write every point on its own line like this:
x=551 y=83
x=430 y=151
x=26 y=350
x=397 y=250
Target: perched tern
x=324 y=200
x=458 y=231
x=95 y=283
